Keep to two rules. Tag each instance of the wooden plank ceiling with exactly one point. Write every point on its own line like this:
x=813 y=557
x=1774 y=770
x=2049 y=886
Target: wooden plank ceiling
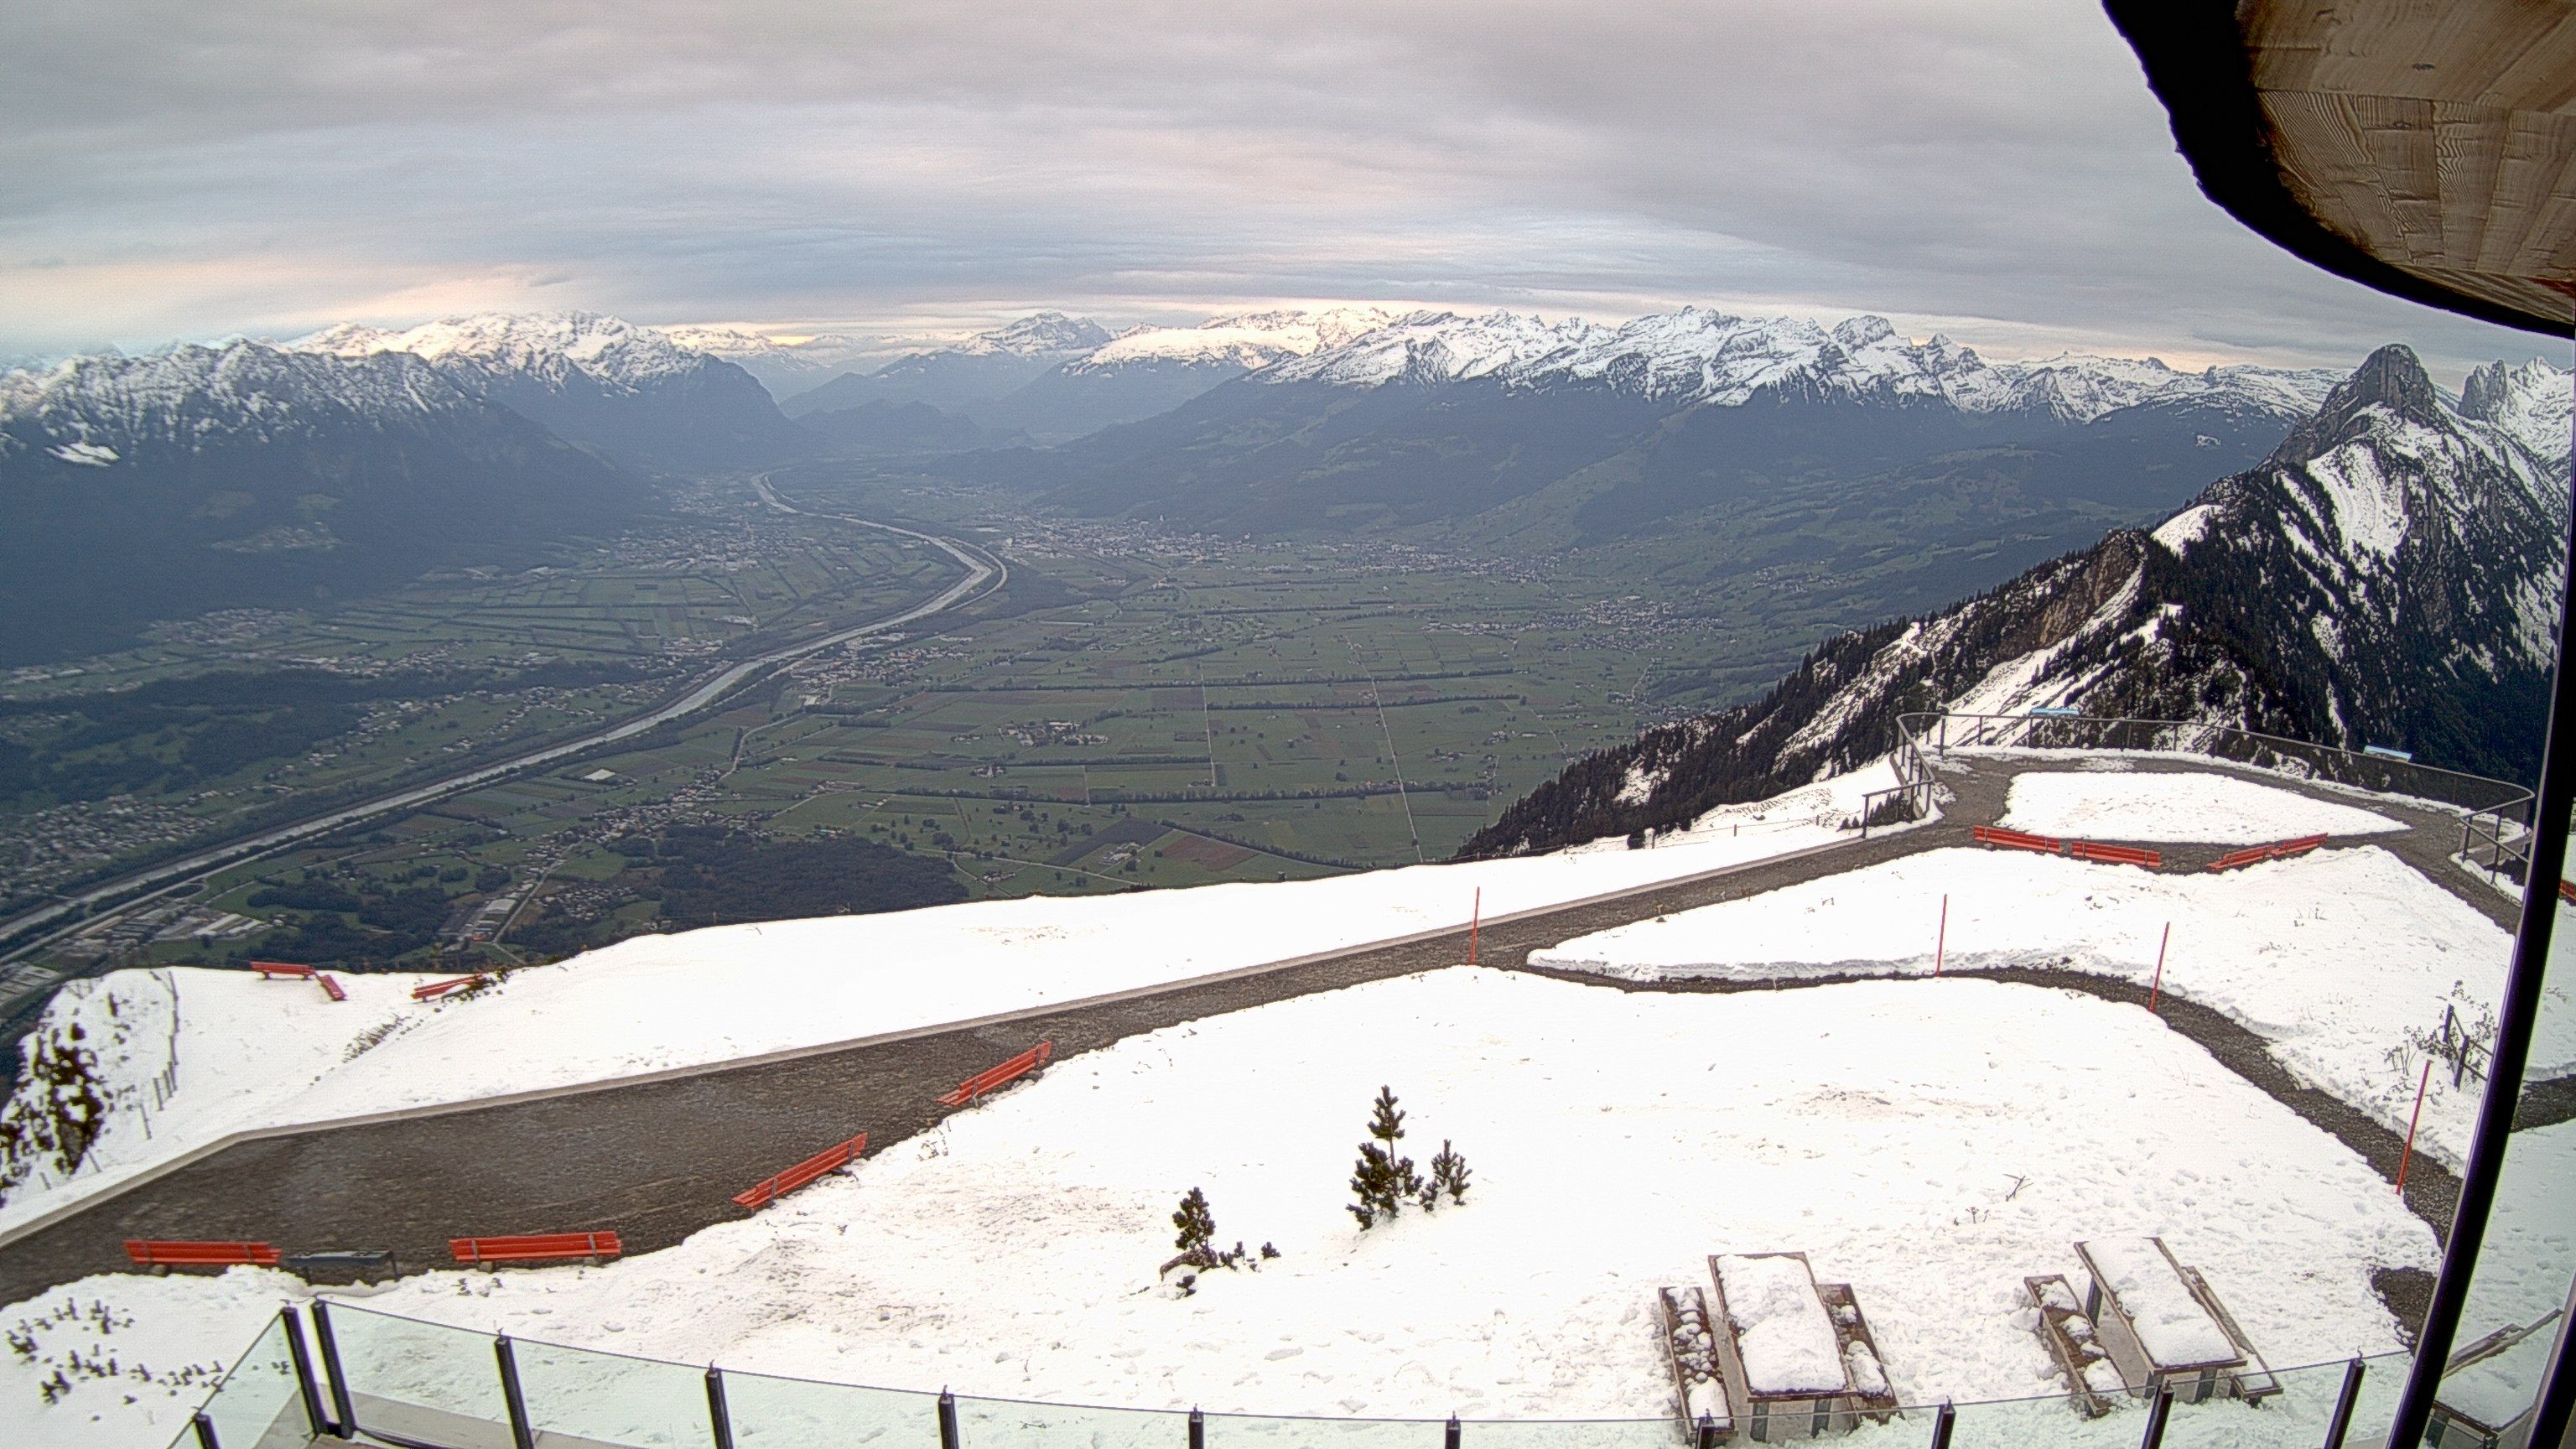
x=2437 y=135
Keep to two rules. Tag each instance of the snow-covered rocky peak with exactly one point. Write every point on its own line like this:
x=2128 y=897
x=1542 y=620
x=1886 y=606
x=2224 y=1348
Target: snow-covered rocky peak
x=1699 y=357
x=96 y=410
x=1040 y=334
x=1438 y=347
x=2530 y=402
x=1246 y=341
x=610 y=351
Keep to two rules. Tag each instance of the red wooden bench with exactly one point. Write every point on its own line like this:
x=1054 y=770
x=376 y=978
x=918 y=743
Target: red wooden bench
x=273 y=970
x=2567 y=890
x=832 y=1158
x=992 y=1077
x=432 y=990
x=534 y=1247
x=2018 y=840
x=2254 y=854
x=2115 y=854
x=331 y=986
x=161 y=1256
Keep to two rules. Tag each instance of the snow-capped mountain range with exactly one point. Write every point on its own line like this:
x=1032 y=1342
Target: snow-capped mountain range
x=162 y=486
x=98 y=411
x=1701 y=357
x=1245 y=342
x=630 y=391
x=2389 y=576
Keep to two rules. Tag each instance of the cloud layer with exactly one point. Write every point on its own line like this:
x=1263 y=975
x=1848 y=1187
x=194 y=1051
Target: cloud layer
x=1995 y=167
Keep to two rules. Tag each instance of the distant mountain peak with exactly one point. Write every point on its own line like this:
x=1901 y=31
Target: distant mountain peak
x=1038 y=334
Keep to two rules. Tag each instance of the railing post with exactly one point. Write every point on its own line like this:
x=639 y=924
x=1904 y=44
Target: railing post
x=1198 y=1429
x=314 y=1423
x=1450 y=1439
x=2159 y=1409
x=345 y=1416
x=719 y=1413
x=2344 y=1404
x=1944 y=1419
x=520 y=1434
x=948 y=1437
x=205 y=1428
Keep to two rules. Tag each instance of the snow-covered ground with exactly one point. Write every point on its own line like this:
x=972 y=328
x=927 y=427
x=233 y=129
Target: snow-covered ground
x=2337 y=959
x=1928 y=1143
x=2169 y=806
x=672 y=1001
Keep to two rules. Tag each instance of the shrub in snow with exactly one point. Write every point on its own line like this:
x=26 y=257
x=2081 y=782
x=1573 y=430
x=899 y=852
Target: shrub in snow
x=1449 y=1174
x=1382 y=1181
x=1195 y=1223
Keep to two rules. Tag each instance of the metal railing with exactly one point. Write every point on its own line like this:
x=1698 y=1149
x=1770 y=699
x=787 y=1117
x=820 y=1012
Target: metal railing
x=422 y=1385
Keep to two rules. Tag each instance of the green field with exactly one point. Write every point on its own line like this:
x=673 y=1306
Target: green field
x=1133 y=710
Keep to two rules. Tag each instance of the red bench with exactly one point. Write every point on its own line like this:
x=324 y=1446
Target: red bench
x=161 y=1256
x=992 y=1077
x=534 y=1247
x=2567 y=890
x=832 y=1158
x=435 y=989
x=2018 y=840
x=2255 y=854
x=2115 y=855
x=272 y=970
x=331 y=986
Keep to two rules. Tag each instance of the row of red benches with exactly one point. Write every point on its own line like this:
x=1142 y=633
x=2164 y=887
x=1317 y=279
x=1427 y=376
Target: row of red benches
x=2256 y=854
x=2075 y=849
x=162 y=1254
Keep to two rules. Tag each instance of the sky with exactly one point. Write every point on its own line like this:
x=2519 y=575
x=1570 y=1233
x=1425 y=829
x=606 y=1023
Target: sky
x=1994 y=169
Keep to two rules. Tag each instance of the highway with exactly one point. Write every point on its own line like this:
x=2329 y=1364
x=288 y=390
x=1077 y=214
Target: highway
x=985 y=572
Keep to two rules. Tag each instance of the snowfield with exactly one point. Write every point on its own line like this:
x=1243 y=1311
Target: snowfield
x=2334 y=958
x=662 y=1002
x=2170 y=806
x=1928 y=1143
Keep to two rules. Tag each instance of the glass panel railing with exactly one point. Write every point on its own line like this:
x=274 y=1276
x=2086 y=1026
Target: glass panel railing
x=2054 y=1421
x=2374 y=1409
x=1255 y=1431
x=2288 y=1409
x=423 y=1381
x=780 y=1413
x=257 y=1405
x=1572 y=1434
x=607 y=1398
x=1008 y=1424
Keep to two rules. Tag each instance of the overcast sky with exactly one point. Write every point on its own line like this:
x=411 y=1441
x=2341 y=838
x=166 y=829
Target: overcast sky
x=1992 y=168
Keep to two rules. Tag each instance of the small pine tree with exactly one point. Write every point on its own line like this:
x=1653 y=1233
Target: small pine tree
x=1449 y=1174
x=1381 y=1180
x=1196 y=1225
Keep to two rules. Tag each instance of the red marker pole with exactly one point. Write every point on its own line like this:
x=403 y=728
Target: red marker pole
x=1941 y=943
x=1475 y=918
x=2409 y=1154
x=2158 y=988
